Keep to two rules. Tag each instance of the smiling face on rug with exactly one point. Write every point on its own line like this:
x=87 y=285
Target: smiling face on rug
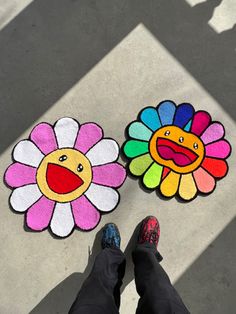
x=64 y=175
x=178 y=150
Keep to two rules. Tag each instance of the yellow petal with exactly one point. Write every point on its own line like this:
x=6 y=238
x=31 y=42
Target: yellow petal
x=187 y=187
x=169 y=185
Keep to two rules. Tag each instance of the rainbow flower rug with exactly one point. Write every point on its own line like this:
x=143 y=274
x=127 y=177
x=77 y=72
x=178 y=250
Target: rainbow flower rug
x=65 y=176
x=177 y=150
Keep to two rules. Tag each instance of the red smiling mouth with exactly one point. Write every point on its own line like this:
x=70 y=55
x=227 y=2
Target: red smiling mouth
x=170 y=150
x=62 y=180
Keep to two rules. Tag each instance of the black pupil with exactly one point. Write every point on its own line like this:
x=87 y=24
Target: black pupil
x=80 y=167
x=63 y=158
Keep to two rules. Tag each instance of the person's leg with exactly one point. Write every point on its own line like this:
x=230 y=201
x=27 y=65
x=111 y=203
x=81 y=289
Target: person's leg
x=157 y=295
x=100 y=293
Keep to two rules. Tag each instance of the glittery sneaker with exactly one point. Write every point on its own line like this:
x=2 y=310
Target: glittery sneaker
x=110 y=236
x=149 y=231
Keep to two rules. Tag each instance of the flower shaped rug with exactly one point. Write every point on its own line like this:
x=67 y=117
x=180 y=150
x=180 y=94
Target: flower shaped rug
x=177 y=150
x=64 y=176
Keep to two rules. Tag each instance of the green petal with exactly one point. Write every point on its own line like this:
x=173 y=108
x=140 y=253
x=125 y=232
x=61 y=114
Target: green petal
x=152 y=177
x=139 y=131
x=140 y=164
x=135 y=148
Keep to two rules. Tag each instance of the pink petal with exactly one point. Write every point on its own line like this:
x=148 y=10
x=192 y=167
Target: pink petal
x=44 y=137
x=85 y=214
x=39 y=214
x=204 y=181
x=201 y=120
x=89 y=135
x=220 y=149
x=112 y=174
x=213 y=133
x=18 y=175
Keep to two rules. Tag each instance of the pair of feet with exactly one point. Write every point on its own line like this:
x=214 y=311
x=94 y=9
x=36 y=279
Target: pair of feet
x=149 y=233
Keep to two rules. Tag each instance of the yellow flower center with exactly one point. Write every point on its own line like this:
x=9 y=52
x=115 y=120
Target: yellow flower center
x=64 y=175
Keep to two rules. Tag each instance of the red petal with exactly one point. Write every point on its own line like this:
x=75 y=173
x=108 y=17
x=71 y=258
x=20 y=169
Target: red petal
x=216 y=167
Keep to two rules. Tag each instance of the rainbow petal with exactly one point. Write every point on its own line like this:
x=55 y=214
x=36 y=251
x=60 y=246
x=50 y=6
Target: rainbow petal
x=201 y=120
x=220 y=149
x=135 y=148
x=204 y=181
x=152 y=177
x=213 y=133
x=166 y=111
x=216 y=167
x=140 y=164
x=139 y=131
x=188 y=126
x=150 y=118
x=184 y=113
x=169 y=185
x=165 y=172
x=187 y=187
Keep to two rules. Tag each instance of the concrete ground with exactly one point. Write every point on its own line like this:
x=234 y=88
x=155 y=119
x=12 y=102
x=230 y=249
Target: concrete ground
x=104 y=61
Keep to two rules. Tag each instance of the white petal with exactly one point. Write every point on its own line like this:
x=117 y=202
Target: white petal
x=62 y=221
x=66 y=130
x=27 y=153
x=104 y=198
x=25 y=196
x=103 y=152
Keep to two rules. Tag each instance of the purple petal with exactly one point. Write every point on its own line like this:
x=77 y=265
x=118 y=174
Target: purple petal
x=85 y=214
x=220 y=149
x=44 y=137
x=39 y=214
x=112 y=174
x=89 y=135
x=213 y=133
x=18 y=175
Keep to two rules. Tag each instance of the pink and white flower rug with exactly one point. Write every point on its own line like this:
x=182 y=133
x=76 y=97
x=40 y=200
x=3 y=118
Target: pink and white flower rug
x=64 y=176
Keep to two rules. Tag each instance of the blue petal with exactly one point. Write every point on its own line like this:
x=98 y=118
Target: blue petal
x=184 y=113
x=188 y=126
x=166 y=112
x=150 y=118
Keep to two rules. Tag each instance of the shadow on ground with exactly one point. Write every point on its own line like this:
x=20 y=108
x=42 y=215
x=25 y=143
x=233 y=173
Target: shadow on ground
x=60 y=299
x=207 y=286
x=51 y=45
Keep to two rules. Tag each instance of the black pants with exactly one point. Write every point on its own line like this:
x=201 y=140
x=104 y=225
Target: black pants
x=100 y=293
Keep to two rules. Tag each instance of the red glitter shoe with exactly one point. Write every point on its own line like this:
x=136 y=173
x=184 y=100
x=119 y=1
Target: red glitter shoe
x=149 y=231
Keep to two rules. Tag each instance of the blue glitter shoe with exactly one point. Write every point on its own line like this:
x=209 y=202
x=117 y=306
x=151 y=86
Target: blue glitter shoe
x=110 y=236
